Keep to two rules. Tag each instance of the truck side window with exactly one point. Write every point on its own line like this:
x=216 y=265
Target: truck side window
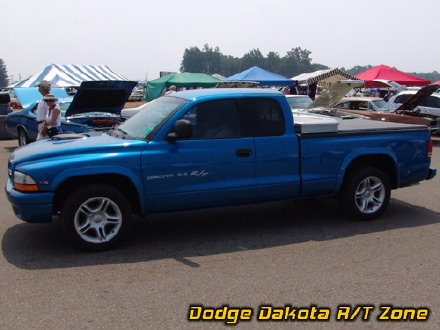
x=261 y=117
x=217 y=119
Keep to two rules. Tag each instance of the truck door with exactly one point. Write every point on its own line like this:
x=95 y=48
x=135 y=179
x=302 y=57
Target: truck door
x=215 y=167
x=276 y=148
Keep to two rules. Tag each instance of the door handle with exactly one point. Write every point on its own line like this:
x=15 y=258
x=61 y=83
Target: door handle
x=244 y=152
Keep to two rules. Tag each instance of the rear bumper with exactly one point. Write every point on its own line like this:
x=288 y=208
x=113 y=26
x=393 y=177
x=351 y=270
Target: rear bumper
x=30 y=207
x=431 y=173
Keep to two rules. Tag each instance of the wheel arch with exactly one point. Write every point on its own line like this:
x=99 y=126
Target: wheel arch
x=21 y=128
x=120 y=182
x=383 y=161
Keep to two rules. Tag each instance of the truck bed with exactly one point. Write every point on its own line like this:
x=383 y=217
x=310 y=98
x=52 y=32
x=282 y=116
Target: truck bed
x=365 y=125
x=318 y=124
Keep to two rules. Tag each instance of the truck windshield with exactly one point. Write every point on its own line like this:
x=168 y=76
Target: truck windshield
x=151 y=117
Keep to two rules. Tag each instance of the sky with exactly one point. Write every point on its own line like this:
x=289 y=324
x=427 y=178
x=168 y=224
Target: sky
x=140 y=38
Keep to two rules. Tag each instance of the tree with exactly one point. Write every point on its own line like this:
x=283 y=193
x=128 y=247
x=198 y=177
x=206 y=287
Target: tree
x=207 y=60
x=272 y=61
x=297 y=61
x=357 y=69
x=3 y=74
x=433 y=76
x=252 y=58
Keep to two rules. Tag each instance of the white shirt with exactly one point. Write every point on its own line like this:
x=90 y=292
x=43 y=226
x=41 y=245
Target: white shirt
x=42 y=110
x=49 y=118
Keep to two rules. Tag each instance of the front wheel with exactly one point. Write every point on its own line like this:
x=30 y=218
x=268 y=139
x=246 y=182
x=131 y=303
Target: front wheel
x=365 y=193
x=23 y=138
x=96 y=217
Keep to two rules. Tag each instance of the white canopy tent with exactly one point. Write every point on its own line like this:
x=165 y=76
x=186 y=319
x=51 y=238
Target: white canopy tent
x=69 y=75
x=324 y=78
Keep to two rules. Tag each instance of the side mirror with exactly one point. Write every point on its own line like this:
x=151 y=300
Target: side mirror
x=183 y=129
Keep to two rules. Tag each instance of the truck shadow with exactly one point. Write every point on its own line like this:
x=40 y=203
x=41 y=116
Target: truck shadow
x=181 y=236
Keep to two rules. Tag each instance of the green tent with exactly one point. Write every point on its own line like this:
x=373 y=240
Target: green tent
x=156 y=87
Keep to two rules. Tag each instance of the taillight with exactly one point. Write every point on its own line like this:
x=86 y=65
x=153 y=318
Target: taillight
x=430 y=148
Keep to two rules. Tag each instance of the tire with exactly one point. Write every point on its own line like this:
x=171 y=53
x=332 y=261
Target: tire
x=365 y=194
x=96 y=217
x=23 y=138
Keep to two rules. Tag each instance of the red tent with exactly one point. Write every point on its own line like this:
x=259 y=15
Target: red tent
x=437 y=82
x=388 y=73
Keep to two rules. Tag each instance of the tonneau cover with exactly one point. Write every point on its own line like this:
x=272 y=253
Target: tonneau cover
x=362 y=125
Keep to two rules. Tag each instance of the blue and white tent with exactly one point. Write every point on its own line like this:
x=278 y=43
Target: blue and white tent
x=70 y=75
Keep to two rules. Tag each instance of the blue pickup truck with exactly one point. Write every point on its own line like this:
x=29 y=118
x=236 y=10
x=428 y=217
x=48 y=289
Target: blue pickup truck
x=208 y=148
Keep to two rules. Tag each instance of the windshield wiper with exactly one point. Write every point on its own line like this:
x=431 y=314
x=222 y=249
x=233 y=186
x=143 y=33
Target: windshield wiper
x=118 y=132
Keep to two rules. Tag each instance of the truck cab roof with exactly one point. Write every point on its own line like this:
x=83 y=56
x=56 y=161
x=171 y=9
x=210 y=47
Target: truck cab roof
x=194 y=94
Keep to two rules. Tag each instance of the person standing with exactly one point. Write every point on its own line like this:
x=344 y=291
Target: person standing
x=42 y=108
x=171 y=89
x=52 y=122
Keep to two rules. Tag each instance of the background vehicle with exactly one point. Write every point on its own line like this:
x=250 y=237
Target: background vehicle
x=428 y=106
x=95 y=106
x=362 y=103
x=209 y=148
x=4 y=110
x=130 y=112
x=137 y=95
x=298 y=101
x=408 y=112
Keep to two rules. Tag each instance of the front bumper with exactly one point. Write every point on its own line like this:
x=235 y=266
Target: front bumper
x=30 y=207
x=431 y=173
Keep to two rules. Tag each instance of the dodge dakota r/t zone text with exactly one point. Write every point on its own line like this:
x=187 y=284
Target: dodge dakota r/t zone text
x=208 y=148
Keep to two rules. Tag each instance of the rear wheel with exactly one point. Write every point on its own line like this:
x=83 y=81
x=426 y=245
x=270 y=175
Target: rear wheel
x=96 y=217
x=23 y=138
x=365 y=194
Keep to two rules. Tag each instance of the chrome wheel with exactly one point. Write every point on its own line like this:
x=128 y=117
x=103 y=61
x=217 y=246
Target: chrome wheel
x=370 y=195
x=98 y=220
x=22 y=138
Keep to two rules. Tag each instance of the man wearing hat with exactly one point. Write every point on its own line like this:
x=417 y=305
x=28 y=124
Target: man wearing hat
x=42 y=108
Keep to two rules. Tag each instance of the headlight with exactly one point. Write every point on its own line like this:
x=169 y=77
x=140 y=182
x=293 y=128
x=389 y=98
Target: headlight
x=24 y=182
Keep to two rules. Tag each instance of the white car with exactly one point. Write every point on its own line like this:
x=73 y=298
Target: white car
x=130 y=112
x=429 y=106
x=362 y=103
x=298 y=101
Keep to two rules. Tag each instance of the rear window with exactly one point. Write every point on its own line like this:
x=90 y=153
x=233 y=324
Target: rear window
x=402 y=98
x=431 y=101
x=380 y=105
x=261 y=117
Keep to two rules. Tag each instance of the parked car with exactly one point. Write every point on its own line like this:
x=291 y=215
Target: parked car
x=430 y=105
x=212 y=148
x=96 y=106
x=362 y=103
x=303 y=105
x=5 y=109
x=137 y=95
x=130 y=112
x=407 y=112
x=298 y=101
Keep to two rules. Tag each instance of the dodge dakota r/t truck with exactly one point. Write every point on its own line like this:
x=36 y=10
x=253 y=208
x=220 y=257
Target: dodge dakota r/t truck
x=209 y=148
